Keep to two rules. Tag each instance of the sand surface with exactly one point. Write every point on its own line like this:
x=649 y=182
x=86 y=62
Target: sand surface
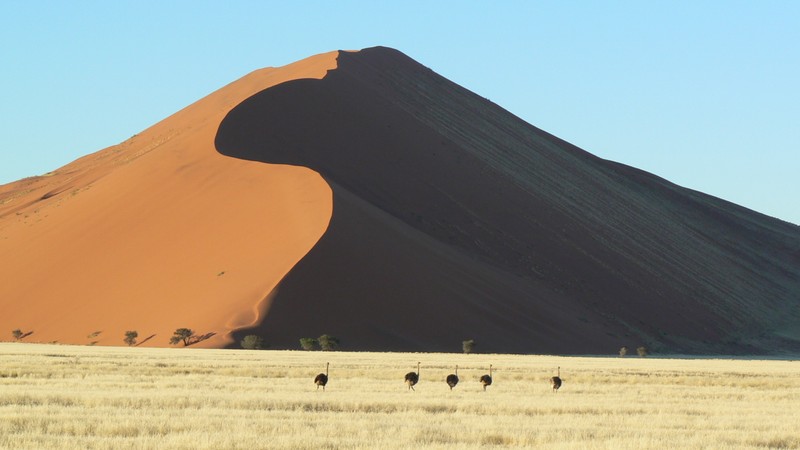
x=158 y=232
x=454 y=219
x=362 y=195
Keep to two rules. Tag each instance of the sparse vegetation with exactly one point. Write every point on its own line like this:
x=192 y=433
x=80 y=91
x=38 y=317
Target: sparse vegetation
x=252 y=342
x=17 y=334
x=468 y=346
x=325 y=342
x=130 y=337
x=308 y=343
x=328 y=343
x=623 y=351
x=184 y=335
x=642 y=351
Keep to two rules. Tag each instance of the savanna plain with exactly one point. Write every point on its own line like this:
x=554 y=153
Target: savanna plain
x=55 y=396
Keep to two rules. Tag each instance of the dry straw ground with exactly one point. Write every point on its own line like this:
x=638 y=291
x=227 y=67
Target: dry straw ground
x=117 y=398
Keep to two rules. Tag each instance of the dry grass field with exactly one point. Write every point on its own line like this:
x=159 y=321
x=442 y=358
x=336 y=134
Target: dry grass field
x=54 y=396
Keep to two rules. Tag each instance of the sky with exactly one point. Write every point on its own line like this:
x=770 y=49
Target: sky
x=703 y=93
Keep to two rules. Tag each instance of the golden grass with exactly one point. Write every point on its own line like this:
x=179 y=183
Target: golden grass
x=115 y=398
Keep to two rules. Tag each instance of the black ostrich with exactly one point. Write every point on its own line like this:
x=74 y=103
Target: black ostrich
x=322 y=379
x=486 y=380
x=412 y=378
x=452 y=379
x=556 y=380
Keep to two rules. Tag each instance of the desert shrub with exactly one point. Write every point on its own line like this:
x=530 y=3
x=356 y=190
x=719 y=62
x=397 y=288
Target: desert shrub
x=17 y=334
x=642 y=351
x=252 y=342
x=308 y=343
x=468 y=346
x=328 y=343
x=130 y=337
x=182 y=335
x=623 y=351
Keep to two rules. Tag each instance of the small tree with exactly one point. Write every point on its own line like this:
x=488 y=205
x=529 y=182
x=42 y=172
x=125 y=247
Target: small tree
x=623 y=351
x=328 y=343
x=17 y=334
x=468 y=346
x=130 y=337
x=182 y=334
x=642 y=351
x=252 y=342
x=308 y=343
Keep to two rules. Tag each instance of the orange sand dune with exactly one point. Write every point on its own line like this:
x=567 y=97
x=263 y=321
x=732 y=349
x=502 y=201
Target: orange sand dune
x=362 y=195
x=158 y=232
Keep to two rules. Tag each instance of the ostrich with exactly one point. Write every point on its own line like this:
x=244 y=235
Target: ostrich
x=322 y=378
x=556 y=380
x=412 y=378
x=452 y=379
x=486 y=380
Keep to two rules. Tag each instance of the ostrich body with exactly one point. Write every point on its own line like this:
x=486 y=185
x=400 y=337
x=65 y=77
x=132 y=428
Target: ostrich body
x=556 y=380
x=486 y=380
x=322 y=378
x=412 y=378
x=452 y=379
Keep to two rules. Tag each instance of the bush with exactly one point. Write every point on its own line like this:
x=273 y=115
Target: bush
x=308 y=343
x=17 y=334
x=182 y=334
x=468 y=346
x=623 y=351
x=252 y=342
x=130 y=337
x=328 y=343
x=642 y=351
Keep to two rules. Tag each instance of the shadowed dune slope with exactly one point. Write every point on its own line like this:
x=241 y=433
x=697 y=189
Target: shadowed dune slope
x=454 y=219
x=159 y=232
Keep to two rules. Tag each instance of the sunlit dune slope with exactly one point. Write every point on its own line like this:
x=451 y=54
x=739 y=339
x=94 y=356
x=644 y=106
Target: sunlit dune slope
x=454 y=219
x=159 y=232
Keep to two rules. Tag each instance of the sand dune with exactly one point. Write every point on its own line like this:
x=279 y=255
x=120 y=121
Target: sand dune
x=362 y=195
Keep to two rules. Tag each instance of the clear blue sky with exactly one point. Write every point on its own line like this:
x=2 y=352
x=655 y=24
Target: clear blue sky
x=703 y=93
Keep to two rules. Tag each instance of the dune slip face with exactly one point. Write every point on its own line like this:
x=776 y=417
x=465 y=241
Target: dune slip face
x=360 y=194
x=454 y=219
